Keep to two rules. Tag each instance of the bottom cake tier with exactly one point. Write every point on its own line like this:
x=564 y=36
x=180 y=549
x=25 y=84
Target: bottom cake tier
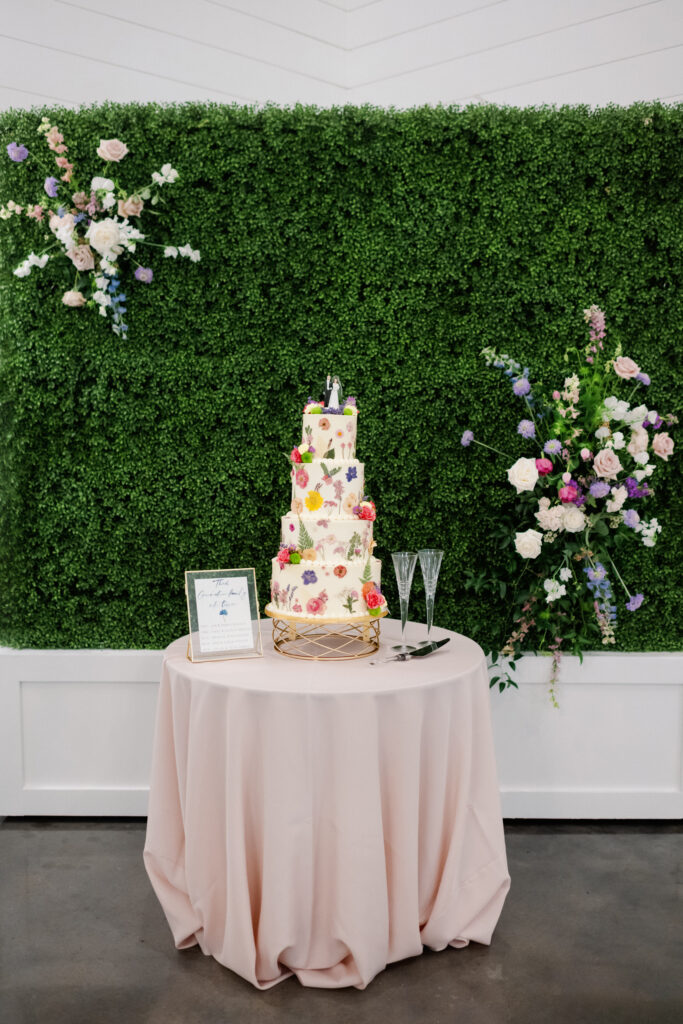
x=326 y=589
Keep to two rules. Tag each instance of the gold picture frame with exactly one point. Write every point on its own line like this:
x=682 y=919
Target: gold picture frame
x=223 y=614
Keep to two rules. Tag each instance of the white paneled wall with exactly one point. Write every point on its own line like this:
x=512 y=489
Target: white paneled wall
x=386 y=52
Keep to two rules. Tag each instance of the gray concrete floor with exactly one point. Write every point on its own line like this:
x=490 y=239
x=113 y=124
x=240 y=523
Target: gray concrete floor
x=592 y=931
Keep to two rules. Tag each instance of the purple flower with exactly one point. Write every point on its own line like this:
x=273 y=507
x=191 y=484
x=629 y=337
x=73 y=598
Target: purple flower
x=309 y=577
x=351 y=473
x=656 y=425
x=17 y=152
x=634 y=491
x=599 y=489
x=552 y=447
x=526 y=428
x=51 y=185
x=631 y=518
x=467 y=439
x=642 y=378
x=521 y=386
x=635 y=602
x=144 y=274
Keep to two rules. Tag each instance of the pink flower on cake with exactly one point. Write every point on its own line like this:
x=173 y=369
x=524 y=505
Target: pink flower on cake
x=283 y=556
x=340 y=571
x=324 y=423
x=663 y=446
x=626 y=368
x=301 y=478
x=373 y=599
x=296 y=607
x=340 y=433
x=349 y=503
x=315 y=606
x=296 y=455
x=366 y=510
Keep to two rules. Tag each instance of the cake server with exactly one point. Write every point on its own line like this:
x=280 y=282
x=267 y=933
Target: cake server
x=418 y=652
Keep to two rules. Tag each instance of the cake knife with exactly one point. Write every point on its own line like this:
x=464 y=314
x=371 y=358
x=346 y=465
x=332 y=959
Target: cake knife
x=419 y=652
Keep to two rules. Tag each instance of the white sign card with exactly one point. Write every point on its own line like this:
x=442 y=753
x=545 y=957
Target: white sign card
x=223 y=614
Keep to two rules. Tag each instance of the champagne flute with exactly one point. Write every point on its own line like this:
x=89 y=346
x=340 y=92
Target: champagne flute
x=404 y=567
x=430 y=563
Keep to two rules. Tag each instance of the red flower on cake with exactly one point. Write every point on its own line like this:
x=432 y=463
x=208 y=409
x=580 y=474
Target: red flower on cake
x=301 y=478
x=283 y=556
x=340 y=571
x=296 y=455
x=366 y=510
x=374 y=599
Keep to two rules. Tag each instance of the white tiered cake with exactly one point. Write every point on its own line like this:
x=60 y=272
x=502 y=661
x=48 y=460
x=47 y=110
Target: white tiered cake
x=325 y=568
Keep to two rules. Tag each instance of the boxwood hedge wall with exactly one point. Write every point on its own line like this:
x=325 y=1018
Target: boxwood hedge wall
x=388 y=247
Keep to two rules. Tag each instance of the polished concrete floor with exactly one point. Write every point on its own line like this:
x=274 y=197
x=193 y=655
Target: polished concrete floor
x=592 y=931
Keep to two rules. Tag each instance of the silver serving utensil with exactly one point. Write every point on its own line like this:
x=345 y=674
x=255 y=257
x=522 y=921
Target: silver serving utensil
x=418 y=652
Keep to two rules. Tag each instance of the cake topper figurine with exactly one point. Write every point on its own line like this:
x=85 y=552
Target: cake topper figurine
x=333 y=393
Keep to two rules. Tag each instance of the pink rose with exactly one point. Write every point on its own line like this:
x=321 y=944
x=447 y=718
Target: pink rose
x=73 y=299
x=626 y=368
x=568 y=494
x=301 y=478
x=82 y=257
x=544 y=466
x=130 y=207
x=606 y=464
x=112 y=149
x=663 y=446
x=639 y=441
x=296 y=455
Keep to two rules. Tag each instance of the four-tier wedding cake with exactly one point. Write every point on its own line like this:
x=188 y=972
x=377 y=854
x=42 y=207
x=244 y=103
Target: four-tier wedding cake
x=325 y=568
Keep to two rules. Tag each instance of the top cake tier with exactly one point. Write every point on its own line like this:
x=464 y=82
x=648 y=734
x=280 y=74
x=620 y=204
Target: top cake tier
x=330 y=435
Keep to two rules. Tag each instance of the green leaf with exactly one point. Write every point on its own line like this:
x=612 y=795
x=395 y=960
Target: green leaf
x=353 y=544
x=366 y=575
x=305 y=539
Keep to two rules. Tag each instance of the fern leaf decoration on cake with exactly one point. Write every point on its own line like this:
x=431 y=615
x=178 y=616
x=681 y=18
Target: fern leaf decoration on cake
x=305 y=539
x=353 y=544
x=366 y=575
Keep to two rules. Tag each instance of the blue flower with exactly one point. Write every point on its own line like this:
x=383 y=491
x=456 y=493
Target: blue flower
x=351 y=473
x=309 y=577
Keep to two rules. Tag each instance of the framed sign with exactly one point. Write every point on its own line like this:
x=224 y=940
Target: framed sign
x=222 y=609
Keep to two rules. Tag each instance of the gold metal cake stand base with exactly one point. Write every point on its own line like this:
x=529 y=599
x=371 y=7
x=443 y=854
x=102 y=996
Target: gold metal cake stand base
x=315 y=639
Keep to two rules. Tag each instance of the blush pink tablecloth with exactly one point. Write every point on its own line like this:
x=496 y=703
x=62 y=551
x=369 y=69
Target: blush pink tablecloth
x=325 y=820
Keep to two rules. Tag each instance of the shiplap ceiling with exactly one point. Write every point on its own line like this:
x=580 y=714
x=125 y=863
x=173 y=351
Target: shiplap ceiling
x=387 y=52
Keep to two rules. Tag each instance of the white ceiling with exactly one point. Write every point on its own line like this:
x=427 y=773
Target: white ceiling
x=387 y=52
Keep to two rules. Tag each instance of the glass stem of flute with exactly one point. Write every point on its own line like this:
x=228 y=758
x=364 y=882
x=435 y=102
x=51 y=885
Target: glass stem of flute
x=404 y=617
x=430 y=613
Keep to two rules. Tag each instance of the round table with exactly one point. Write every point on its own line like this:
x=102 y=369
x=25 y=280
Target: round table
x=325 y=820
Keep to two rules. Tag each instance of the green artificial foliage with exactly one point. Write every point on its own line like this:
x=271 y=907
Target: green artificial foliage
x=388 y=247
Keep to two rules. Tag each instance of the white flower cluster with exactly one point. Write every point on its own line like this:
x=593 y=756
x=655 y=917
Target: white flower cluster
x=11 y=208
x=565 y=574
x=648 y=532
x=183 y=250
x=559 y=517
x=167 y=175
x=24 y=269
x=553 y=590
x=616 y=409
x=619 y=496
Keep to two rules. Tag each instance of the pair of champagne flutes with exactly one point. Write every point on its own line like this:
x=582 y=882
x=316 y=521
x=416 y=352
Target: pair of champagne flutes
x=404 y=567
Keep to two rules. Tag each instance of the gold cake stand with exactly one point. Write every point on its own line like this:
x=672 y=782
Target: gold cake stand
x=316 y=639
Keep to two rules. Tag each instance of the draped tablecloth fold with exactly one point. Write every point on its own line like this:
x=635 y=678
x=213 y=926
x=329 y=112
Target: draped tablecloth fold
x=325 y=820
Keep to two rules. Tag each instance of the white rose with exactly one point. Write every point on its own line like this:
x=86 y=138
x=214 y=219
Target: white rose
x=523 y=475
x=105 y=237
x=619 y=496
x=101 y=185
x=528 y=544
x=573 y=519
x=112 y=149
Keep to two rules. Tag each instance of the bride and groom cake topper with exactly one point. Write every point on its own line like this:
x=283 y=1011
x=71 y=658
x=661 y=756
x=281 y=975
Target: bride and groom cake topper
x=333 y=393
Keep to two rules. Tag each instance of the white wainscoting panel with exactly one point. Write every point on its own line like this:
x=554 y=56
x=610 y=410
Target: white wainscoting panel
x=76 y=731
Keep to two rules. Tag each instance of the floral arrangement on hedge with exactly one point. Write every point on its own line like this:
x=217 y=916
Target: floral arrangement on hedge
x=92 y=225
x=581 y=498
